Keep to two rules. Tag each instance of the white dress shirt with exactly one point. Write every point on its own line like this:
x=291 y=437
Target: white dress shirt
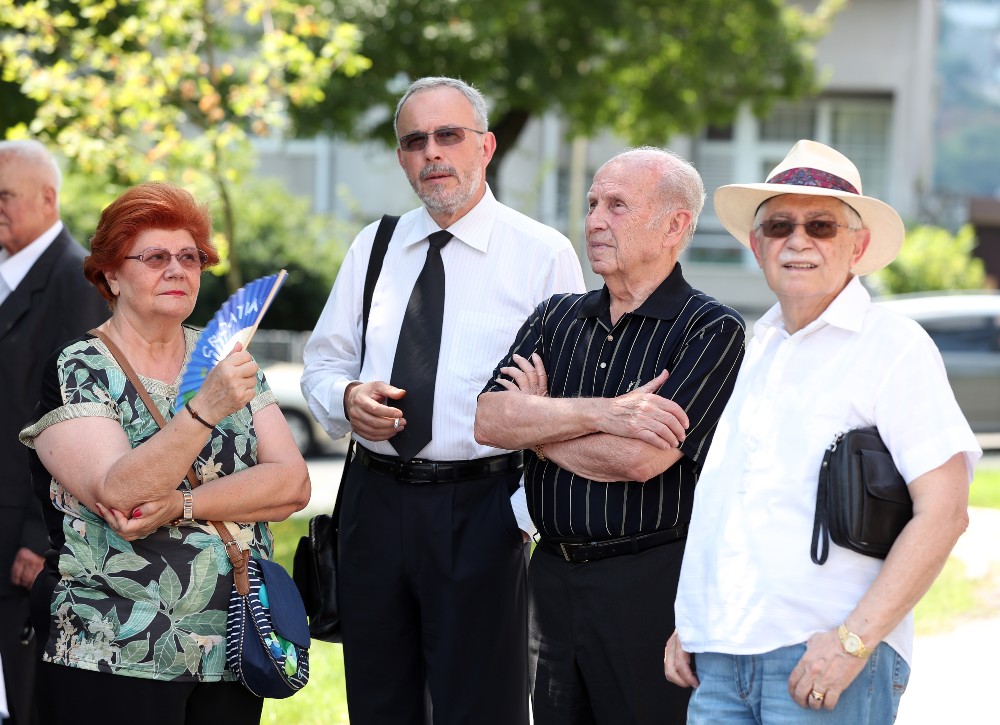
x=498 y=268
x=15 y=268
x=748 y=584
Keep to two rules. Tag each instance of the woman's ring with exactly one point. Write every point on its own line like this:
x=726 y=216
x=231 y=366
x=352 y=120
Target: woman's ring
x=817 y=696
x=395 y=423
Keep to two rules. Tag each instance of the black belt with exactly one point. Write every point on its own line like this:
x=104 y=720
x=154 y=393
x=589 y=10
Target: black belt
x=578 y=552
x=418 y=471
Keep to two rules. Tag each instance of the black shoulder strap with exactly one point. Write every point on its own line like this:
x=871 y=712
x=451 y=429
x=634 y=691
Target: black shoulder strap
x=382 y=237
x=385 y=229
x=820 y=548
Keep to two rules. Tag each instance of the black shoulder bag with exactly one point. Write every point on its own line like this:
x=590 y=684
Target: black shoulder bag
x=314 y=568
x=862 y=502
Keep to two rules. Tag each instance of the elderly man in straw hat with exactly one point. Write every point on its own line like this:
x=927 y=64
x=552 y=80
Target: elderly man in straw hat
x=777 y=638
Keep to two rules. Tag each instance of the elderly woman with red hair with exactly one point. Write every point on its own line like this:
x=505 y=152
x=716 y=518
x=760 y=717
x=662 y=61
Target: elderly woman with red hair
x=131 y=607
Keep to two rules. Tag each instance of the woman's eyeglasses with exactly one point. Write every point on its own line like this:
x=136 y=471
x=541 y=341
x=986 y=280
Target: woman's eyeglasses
x=442 y=137
x=156 y=258
x=815 y=228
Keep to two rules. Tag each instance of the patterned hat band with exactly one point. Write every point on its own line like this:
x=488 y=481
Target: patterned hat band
x=803 y=176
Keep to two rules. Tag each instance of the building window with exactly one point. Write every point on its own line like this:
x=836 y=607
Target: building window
x=859 y=127
x=789 y=121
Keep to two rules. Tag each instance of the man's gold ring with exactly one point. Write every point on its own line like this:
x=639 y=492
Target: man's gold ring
x=817 y=696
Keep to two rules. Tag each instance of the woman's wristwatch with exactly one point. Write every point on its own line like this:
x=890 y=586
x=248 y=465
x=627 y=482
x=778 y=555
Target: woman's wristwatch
x=187 y=518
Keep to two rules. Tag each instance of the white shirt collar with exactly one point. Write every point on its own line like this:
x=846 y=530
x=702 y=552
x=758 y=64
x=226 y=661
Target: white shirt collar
x=847 y=311
x=14 y=268
x=473 y=228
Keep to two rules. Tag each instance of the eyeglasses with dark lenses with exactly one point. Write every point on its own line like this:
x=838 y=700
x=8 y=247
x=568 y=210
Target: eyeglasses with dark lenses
x=442 y=137
x=156 y=258
x=815 y=228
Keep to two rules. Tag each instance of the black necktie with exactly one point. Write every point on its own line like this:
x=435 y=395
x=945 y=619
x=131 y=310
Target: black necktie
x=415 y=367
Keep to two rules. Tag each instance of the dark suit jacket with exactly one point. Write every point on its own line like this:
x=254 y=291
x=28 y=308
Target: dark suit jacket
x=53 y=304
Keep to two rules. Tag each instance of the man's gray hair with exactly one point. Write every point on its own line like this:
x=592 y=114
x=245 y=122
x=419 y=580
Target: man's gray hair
x=680 y=185
x=429 y=83
x=34 y=152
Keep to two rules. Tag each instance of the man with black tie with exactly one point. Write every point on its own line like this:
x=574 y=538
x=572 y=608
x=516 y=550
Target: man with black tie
x=432 y=529
x=44 y=301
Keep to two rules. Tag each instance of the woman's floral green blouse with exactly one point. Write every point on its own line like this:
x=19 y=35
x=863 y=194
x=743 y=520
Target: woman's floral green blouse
x=154 y=607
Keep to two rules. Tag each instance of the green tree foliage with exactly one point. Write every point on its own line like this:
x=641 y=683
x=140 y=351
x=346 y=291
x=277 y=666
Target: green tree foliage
x=279 y=232
x=933 y=258
x=645 y=69
x=138 y=89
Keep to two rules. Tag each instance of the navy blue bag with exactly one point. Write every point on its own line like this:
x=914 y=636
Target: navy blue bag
x=267 y=636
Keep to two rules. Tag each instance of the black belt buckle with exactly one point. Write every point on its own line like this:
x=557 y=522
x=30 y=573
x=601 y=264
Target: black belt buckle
x=417 y=472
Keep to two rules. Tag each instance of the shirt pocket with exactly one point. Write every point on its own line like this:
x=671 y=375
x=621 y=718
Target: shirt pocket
x=479 y=342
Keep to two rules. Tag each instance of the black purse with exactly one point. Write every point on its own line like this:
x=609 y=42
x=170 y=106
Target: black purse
x=314 y=567
x=862 y=502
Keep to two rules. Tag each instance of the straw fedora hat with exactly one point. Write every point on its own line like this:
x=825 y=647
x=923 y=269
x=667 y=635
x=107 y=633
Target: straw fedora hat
x=812 y=168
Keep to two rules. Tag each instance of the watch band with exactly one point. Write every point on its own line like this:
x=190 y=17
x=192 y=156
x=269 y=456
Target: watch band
x=187 y=519
x=852 y=643
x=540 y=452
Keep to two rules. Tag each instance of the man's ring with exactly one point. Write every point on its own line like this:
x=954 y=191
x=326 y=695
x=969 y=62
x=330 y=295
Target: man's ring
x=395 y=423
x=817 y=696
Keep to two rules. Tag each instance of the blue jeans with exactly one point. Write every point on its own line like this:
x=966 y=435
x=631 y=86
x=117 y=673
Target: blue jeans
x=753 y=689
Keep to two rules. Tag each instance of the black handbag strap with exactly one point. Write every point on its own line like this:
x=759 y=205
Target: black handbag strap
x=821 y=524
x=386 y=227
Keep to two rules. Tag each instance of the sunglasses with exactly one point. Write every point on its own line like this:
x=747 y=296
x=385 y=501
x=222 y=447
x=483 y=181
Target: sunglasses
x=156 y=258
x=816 y=228
x=442 y=137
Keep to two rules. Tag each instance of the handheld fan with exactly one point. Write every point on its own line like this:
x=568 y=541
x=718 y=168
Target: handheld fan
x=236 y=321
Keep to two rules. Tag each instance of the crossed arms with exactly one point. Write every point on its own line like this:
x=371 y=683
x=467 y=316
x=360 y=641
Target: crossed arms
x=632 y=437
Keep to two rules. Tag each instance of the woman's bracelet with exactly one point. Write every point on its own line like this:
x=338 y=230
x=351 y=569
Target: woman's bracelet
x=198 y=417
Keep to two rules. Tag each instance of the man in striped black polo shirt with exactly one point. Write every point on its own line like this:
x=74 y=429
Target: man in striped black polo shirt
x=615 y=395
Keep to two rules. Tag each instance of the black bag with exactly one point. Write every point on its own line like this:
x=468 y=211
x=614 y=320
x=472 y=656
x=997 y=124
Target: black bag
x=314 y=568
x=862 y=502
x=315 y=574
x=267 y=640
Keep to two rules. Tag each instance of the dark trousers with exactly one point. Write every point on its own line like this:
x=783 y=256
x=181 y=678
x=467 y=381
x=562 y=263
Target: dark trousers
x=18 y=658
x=597 y=634
x=84 y=697
x=433 y=598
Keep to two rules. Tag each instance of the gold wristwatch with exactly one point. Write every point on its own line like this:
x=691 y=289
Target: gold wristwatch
x=852 y=643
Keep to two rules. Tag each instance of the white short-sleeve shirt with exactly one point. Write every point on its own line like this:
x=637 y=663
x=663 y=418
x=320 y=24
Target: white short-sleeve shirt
x=748 y=584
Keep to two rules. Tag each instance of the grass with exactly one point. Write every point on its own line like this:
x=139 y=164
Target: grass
x=954 y=598
x=323 y=701
x=985 y=490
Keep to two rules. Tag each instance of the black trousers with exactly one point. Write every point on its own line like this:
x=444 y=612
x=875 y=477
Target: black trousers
x=84 y=697
x=18 y=658
x=598 y=630
x=433 y=597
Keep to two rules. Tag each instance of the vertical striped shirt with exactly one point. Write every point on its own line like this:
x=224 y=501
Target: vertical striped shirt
x=696 y=338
